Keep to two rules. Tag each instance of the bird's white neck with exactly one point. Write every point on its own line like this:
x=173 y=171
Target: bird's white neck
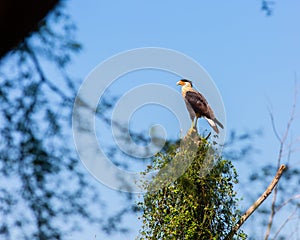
x=185 y=89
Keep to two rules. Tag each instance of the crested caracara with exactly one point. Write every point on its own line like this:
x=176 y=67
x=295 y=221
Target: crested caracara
x=197 y=105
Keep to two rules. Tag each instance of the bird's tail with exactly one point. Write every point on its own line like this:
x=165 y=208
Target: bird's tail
x=218 y=122
x=213 y=124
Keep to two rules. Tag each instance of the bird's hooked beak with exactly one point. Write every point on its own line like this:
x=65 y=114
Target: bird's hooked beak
x=180 y=83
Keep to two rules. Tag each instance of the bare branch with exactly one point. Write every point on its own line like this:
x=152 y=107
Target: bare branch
x=273 y=211
x=292 y=115
x=282 y=141
x=285 y=222
x=288 y=201
x=258 y=202
x=273 y=126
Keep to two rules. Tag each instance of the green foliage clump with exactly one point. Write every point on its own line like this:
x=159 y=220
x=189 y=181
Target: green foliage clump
x=196 y=205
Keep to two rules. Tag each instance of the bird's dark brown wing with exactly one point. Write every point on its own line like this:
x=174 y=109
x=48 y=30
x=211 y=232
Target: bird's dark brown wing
x=199 y=104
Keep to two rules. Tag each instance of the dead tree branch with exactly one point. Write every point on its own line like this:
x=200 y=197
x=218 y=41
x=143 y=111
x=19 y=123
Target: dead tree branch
x=282 y=140
x=257 y=203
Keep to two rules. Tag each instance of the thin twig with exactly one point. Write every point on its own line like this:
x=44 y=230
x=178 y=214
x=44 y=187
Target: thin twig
x=288 y=201
x=257 y=203
x=273 y=126
x=285 y=222
x=282 y=141
x=273 y=211
x=40 y=71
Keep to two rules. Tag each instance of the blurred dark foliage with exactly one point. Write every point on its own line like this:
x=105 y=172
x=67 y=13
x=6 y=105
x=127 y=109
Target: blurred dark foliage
x=240 y=145
x=45 y=192
x=267 y=7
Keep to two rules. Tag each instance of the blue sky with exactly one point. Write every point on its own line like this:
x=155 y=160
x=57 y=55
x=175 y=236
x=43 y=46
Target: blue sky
x=252 y=58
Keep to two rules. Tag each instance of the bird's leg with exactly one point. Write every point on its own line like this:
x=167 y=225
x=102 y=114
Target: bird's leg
x=193 y=126
x=196 y=121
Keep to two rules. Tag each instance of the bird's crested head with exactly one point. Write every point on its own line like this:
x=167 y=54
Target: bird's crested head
x=185 y=82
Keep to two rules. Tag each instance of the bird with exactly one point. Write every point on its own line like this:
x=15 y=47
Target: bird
x=198 y=106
